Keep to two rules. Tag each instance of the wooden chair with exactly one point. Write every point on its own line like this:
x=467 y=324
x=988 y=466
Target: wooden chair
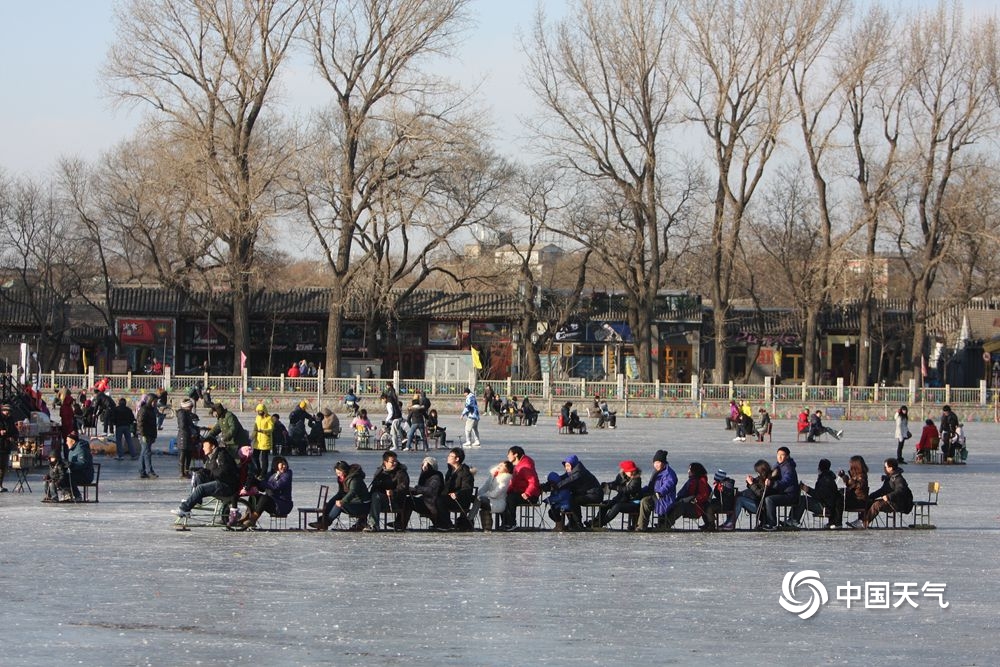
x=922 y=508
x=305 y=512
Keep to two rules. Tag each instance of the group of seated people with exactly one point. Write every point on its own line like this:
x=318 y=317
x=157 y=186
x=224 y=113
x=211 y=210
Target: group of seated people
x=570 y=420
x=69 y=467
x=950 y=439
x=420 y=426
x=231 y=482
x=451 y=501
x=811 y=425
x=512 y=411
x=606 y=418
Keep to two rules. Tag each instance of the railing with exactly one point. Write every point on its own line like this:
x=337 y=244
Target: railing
x=556 y=390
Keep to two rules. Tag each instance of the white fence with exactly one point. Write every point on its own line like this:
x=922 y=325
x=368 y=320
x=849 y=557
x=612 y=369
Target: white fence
x=622 y=389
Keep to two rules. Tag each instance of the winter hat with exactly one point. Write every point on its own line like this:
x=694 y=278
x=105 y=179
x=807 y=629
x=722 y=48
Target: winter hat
x=260 y=409
x=571 y=459
x=660 y=455
x=720 y=475
x=187 y=404
x=628 y=466
x=303 y=404
x=429 y=461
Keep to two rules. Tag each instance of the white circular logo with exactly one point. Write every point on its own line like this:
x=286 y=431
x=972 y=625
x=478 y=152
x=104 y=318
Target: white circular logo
x=806 y=579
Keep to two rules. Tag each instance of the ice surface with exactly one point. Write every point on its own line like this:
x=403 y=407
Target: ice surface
x=115 y=584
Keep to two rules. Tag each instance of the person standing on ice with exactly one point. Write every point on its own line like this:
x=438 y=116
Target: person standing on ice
x=470 y=413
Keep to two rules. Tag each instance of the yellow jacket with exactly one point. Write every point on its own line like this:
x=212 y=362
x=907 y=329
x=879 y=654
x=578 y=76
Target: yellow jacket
x=263 y=430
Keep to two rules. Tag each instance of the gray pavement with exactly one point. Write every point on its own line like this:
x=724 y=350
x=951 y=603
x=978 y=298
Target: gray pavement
x=115 y=584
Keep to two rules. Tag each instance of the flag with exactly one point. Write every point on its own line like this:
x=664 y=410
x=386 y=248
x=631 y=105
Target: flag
x=923 y=366
x=83 y=351
x=477 y=363
x=243 y=359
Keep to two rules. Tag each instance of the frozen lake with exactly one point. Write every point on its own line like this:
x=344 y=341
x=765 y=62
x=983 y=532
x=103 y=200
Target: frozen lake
x=115 y=584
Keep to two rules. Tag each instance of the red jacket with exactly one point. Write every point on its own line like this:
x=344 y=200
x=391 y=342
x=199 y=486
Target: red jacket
x=803 y=423
x=700 y=489
x=927 y=438
x=525 y=480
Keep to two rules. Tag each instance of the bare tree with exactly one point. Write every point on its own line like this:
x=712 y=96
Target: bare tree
x=950 y=109
x=536 y=202
x=40 y=261
x=206 y=68
x=386 y=120
x=819 y=108
x=874 y=88
x=604 y=79
x=739 y=53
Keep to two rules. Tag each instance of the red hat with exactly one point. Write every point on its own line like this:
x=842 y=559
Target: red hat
x=628 y=466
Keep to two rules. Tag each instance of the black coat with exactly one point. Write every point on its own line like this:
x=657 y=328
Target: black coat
x=461 y=482
x=221 y=466
x=894 y=486
x=187 y=431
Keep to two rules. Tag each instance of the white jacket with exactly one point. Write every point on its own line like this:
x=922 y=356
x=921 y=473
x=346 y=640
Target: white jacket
x=494 y=489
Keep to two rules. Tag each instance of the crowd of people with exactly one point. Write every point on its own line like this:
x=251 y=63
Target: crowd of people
x=453 y=499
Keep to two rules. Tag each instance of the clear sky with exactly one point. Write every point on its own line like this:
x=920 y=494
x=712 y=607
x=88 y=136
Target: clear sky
x=51 y=53
x=54 y=105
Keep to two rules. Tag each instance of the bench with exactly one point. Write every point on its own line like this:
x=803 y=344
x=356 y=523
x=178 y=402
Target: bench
x=95 y=485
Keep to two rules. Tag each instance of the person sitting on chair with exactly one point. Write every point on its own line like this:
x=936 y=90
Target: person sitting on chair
x=388 y=489
x=825 y=497
x=58 y=471
x=529 y=412
x=605 y=417
x=583 y=489
x=351 y=402
x=220 y=477
x=276 y=496
x=628 y=485
x=764 y=427
x=424 y=497
x=434 y=429
x=816 y=428
x=929 y=441
x=784 y=487
x=571 y=420
x=459 y=483
x=692 y=498
x=750 y=498
x=893 y=496
x=802 y=425
x=659 y=493
x=80 y=462
x=524 y=487
x=856 y=482
x=493 y=493
x=352 y=498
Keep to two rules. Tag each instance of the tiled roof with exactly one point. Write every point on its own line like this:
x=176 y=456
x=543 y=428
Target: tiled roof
x=19 y=308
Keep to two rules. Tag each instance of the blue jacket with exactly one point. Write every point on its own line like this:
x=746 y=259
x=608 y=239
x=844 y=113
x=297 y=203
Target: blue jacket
x=787 y=479
x=664 y=485
x=471 y=407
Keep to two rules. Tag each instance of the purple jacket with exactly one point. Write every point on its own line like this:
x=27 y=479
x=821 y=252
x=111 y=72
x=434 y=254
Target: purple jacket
x=279 y=487
x=664 y=485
